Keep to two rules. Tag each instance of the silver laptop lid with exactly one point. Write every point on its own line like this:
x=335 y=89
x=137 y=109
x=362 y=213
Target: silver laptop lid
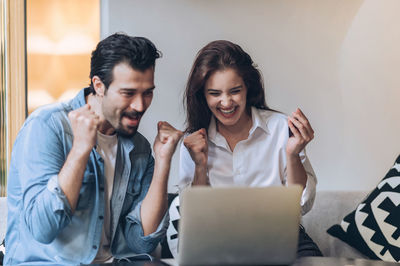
x=239 y=225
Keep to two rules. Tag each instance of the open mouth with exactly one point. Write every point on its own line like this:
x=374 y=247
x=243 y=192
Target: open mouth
x=132 y=120
x=228 y=112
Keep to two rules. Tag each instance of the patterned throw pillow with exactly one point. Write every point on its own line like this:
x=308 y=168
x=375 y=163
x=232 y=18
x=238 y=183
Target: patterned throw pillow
x=374 y=227
x=172 y=232
x=169 y=245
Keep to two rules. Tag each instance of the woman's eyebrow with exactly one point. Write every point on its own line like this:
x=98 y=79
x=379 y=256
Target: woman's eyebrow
x=237 y=87
x=234 y=88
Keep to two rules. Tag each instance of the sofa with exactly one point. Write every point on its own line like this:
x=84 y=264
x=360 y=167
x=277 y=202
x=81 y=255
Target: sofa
x=3 y=218
x=3 y=224
x=329 y=208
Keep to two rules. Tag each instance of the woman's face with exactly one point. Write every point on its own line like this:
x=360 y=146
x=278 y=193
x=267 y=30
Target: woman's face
x=225 y=93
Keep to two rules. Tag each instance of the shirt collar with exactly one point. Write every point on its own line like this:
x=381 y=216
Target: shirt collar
x=212 y=129
x=79 y=99
x=214 y=136
x=257 y=122
x=127 y=143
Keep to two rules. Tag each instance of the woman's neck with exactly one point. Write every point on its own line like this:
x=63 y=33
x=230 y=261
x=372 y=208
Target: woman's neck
x=237 y=132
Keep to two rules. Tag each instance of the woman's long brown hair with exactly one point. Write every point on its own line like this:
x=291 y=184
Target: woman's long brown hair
x=217 y=56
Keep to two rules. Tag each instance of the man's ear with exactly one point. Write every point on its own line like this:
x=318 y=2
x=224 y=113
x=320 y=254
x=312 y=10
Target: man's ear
x=98 y=86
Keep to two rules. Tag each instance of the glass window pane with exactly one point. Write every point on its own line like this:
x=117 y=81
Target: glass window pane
x=60 y=38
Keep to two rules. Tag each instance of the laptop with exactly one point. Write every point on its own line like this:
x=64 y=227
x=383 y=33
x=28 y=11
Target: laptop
x=239 y=225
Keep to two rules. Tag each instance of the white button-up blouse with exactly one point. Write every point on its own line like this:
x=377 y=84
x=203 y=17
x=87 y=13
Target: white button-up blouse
x=258 y=161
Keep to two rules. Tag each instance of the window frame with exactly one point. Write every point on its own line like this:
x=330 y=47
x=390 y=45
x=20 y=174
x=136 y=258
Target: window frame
x=13 y=44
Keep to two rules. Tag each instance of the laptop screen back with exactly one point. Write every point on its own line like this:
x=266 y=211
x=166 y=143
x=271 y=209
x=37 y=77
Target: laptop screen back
x=239 y=225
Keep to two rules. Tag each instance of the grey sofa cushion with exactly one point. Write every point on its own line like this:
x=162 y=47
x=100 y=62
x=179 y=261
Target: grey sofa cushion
x=329 y=208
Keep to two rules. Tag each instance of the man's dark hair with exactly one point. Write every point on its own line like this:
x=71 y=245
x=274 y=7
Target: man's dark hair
x=138 y=52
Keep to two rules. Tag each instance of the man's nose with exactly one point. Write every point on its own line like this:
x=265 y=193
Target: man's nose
x=137 y=103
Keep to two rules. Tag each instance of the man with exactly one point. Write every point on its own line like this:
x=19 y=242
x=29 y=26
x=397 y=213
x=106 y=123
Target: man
x=83 y=185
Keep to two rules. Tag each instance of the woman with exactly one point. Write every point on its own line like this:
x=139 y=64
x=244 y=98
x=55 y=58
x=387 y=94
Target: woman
x=234 y=139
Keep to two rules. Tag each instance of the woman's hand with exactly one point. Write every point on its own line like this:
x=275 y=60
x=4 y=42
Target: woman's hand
x=302 y=133
x=197 y=145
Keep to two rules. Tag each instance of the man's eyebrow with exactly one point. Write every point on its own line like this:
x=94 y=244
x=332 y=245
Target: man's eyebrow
x=134 y=89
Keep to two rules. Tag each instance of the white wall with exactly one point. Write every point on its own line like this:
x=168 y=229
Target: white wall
x=338 y=60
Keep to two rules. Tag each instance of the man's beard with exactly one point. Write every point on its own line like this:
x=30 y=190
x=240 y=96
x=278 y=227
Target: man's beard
x=122 y=131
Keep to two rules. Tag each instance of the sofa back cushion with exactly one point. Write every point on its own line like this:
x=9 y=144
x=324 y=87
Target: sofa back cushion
x=329 y=208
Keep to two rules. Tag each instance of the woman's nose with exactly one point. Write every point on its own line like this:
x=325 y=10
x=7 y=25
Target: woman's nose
x=226 y=100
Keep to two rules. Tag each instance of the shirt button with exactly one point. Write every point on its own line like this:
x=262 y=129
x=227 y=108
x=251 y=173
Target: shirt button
x=101 y=217
x=94 y=247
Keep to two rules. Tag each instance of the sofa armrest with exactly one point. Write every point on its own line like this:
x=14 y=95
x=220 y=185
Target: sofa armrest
x=3 y=218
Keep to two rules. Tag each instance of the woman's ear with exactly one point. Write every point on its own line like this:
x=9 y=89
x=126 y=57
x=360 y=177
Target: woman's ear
x=98 y=86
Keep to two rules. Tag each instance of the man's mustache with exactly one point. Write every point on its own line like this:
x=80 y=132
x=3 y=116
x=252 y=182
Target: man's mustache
x=133 y=114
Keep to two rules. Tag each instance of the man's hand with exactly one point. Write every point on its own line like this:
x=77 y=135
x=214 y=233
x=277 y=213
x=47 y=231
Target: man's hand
x=197 y=145
x=84 y=123
x=155 y=202
x=166 y=141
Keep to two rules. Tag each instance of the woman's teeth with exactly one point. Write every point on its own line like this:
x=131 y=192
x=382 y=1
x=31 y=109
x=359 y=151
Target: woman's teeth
x=228 y=111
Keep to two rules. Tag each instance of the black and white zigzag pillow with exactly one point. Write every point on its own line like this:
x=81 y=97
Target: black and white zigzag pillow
x=172 y=232
x=374 y=227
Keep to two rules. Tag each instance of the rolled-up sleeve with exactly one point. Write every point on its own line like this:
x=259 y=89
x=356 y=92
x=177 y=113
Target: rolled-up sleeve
x=133 y=230
x=141 y=243
x=308 y=196
x=40 y=158
x=60 y=202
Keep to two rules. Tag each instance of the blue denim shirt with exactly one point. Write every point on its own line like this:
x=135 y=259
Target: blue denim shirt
x=41 y=228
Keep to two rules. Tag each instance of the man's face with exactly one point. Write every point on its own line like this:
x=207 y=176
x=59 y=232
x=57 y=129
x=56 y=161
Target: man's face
x=127 y=98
